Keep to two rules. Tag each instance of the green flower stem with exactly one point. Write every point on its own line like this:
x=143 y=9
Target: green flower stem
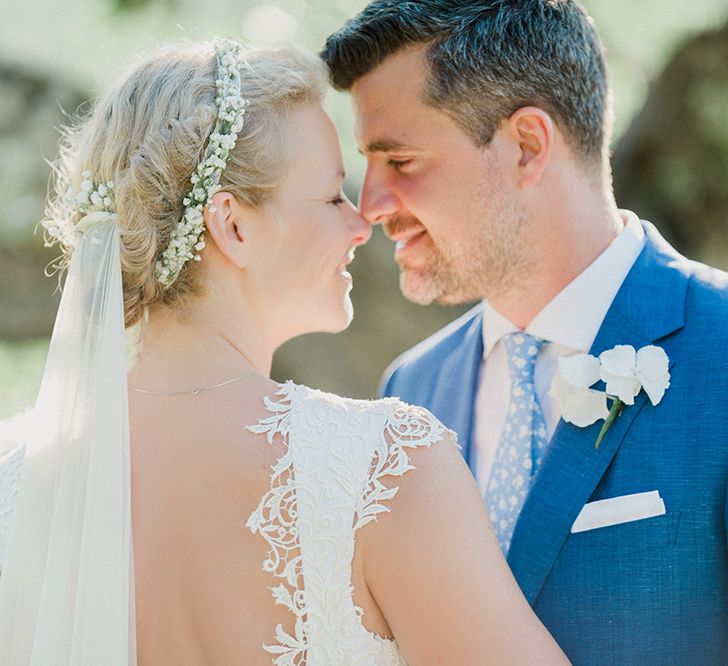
x=614 y=412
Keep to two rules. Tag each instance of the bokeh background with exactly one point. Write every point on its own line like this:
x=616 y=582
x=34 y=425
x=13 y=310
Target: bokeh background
x=668 y=61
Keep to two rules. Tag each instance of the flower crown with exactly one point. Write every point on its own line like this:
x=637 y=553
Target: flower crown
x=95 y=201
x=187 y=237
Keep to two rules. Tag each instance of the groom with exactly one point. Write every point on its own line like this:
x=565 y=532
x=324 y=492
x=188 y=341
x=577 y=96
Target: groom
x=486 y=126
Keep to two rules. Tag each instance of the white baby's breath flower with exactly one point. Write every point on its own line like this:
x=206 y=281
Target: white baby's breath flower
x=95 y=201
x=228 y=142
x=186 y=241
x=95 y=204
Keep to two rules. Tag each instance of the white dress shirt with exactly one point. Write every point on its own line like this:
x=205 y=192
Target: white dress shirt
x=569 y=323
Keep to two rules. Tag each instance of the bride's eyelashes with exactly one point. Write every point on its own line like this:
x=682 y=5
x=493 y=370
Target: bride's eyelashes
x=338 y=200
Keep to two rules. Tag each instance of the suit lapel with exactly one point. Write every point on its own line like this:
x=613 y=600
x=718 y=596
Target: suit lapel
x=648 y=306
x=459 y=373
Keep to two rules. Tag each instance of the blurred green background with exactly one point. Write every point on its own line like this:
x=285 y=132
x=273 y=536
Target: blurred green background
x=668 y=60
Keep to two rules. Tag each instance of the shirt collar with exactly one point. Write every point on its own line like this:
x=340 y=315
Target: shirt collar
x=575 y=315
x=495 y=326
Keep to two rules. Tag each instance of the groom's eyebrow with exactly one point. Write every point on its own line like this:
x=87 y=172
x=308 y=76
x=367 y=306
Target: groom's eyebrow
x=385 y=146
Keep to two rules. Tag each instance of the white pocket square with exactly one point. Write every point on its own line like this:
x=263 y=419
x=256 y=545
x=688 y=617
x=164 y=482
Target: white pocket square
x=617 y=510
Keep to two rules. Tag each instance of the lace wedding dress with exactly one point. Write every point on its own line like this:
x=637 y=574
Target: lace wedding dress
x=331 y=481
x=328 y=485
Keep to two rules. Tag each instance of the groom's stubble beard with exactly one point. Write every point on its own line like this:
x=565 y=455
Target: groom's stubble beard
x=471 y=264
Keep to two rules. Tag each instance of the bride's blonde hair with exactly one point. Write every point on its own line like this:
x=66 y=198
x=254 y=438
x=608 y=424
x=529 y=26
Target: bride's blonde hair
x=147 y=135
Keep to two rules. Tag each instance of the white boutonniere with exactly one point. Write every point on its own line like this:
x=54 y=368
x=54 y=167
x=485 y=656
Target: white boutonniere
x=625 y=373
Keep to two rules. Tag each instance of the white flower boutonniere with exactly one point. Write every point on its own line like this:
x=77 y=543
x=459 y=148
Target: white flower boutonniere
x=625 y=373
x=580 y=404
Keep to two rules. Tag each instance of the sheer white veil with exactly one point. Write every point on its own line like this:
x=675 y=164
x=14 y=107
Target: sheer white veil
x=66 y=588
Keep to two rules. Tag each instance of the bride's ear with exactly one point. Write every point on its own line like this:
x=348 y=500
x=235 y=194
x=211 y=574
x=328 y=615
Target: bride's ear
x=225 y=222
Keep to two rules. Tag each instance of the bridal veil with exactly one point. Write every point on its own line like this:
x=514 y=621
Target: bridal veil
x=66 y=587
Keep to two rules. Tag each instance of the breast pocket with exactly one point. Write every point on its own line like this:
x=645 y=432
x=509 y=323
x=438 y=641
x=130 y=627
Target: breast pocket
x=621 y=541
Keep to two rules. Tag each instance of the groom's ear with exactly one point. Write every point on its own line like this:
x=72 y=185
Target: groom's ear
x=533 y=130
x=225 y=222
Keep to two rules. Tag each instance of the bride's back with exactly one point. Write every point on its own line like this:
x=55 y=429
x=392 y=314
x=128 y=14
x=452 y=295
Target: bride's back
x=278 y=234
x=201 y=593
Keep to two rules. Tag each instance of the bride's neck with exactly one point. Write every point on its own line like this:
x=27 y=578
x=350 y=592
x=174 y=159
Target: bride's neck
x=200 y=346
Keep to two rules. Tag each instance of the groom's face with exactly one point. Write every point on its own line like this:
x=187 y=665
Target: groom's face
x=451 y=206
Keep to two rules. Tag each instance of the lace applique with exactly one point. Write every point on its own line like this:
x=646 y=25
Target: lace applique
x=408 y=427
x=327 y=485
x=279 y=423
x=275 y=519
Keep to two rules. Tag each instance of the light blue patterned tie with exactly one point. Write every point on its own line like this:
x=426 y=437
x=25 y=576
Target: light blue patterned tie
x=522 y=441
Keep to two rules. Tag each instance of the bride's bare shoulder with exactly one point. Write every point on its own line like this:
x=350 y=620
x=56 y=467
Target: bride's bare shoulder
x=431 y=556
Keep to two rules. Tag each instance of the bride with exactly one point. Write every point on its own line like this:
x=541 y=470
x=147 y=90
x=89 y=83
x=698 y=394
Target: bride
x=201 y=214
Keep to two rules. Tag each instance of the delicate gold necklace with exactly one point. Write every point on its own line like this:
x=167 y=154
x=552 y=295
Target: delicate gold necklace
x=195 y=391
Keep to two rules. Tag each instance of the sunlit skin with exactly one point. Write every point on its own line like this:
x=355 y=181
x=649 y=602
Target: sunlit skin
x=513 y=221
x=291 y=260
x=202 y=594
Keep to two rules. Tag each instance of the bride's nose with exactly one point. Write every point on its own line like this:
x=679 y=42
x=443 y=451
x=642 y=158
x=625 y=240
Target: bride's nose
x=361 y=229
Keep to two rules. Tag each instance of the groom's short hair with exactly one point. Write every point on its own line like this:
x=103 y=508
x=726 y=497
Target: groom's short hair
x=487 y=59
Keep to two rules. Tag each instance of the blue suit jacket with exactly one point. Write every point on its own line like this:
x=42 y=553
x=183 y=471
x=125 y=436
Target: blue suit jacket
x=653 y=591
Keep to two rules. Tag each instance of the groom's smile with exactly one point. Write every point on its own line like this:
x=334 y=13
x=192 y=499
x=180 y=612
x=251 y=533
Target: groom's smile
x=405 y=233
x=404 y=245
x=445 y=200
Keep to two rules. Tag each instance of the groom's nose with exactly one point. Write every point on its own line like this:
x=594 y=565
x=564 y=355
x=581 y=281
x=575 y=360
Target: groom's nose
x=377 y=202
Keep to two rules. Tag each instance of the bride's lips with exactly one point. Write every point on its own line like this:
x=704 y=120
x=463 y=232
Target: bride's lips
x=341 y=269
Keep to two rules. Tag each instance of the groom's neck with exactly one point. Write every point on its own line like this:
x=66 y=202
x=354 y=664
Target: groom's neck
x=572 y=220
